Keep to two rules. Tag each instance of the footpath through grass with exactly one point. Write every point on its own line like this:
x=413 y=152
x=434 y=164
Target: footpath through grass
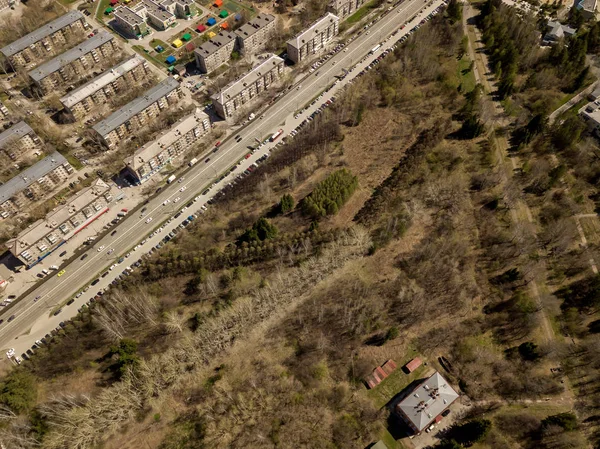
x=466 y=75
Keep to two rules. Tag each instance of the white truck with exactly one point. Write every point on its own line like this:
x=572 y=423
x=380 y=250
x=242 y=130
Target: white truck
x=193 y=162
x=171 y=178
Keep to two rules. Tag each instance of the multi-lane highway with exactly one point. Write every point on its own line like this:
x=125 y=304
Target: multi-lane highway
x=33 y=314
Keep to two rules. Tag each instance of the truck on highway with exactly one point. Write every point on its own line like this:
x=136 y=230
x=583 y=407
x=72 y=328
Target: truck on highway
x=377 y=47
x=171 y=178
x=192 y=162
x=275 y=136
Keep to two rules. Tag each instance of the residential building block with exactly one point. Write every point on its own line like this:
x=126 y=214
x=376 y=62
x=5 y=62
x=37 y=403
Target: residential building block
x=312 y=40
x=253 y=36
x=217 y=51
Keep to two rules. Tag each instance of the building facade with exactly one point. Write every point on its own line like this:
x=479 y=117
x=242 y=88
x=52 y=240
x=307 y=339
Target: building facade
x=29 y=50
x=45 y=236
x=159 y=14
x=19 y=139
x=4 y=113
x=217 y=51
x=315 y=38
x=33 y=184
x=73 y=63
x=179 y=139
x=138 y=112
x=253 y=36
x=83 y=100
x=344 y=8
x=246 y=89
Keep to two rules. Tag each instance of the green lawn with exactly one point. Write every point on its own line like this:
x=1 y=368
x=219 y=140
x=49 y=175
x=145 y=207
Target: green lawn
x=394 y=384
x=465 y=75
x=361 y=13
x=103 y=5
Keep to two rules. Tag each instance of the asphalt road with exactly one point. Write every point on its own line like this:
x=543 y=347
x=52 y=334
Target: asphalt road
x=33 y=319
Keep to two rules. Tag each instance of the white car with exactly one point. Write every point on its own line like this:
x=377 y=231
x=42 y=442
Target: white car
x=101 y=248
x=149 y=220
x=110 y=251
x=183 y=188
x=176 y=199
x=166 y=202
x=10 y=352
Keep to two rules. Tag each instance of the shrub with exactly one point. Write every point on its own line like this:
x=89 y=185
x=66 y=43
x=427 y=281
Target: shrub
x=261 y=230
x=286 y=204
x=126 y=351
x=330 y=194
x=568 y=421
x=470 y=432
x=18 y=391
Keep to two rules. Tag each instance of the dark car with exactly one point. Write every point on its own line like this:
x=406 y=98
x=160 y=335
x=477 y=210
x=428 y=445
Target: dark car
x=62 y=324
x=83 y=257
x=1 y=321
x=12 y=317
x=12 y=296
x=207 y=160
x=105 y=274
x=64 y=253
x=57 y=312
x=94 y=282
x=446 y=412
x=113 y=233
x=71 y=301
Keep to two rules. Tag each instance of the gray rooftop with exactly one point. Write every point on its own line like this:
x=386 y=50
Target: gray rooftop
x=127 y=15
x=313 y=31
x=30 y=175
x=42 y=32
x=427 y=401
x=557 y=30
x=216 y=43
x=14 y=132
x=260 y=21
x=101 y=81
x=234 y=88
x=155 y=10
x=587 y=5
x=69 y=56
x=136 y=106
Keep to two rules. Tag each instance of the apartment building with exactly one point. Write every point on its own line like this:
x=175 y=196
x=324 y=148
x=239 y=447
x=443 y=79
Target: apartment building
x=19 y=139
x=242 y=91
x=73 y=63
x=33 y=48
x=46 y=235
x=217 y=51
x=33 y=184
x=137 y=113
x=149 y=159
x=92 y=95
x=344 y=8
x=253 y=36
x=4 y=113
x=317 y=36
x=159 y=14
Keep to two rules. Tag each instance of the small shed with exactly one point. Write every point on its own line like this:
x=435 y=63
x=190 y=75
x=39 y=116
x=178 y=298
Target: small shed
x=190 y=47
x=238 y=17
x=180 y=69
x=177 y=43
x=224 y=25
x=211 y=34
x=212 y=21
x=113 y=2
x=186 y=37
x=218 y=3
x=201 y=28
x=108 y=10
x=170 y=60
x=223 y=14
x=413 y=364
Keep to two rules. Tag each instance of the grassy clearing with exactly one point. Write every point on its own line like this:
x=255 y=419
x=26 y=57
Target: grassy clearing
x=100 y=14
x=466 y=75
x=591 y=228
x=394 y=384
x=361 y=13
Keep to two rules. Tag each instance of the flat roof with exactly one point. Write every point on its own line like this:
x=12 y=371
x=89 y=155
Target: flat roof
x=71 y=55
x=234 y=88
x=33 y=233
x=127 y=15
x=260 y=21
x=214 y=44
x=42 y=32
x=173 y=134
x=427 y=401
x=101 y=81
x=136 y=106
x=14 y=132
x=155 y=10
x=30 y=175
x=313 y=31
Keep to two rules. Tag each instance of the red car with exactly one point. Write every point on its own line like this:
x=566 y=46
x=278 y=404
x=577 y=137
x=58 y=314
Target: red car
x=248 y=156
x=218 y=143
